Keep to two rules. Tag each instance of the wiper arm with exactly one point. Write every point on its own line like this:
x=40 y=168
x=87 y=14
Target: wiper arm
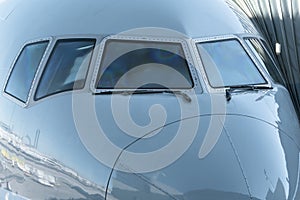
x=184 y=95
x=113 y=92
x=244 y=88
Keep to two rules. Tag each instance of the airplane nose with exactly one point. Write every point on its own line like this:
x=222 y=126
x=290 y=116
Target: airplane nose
x=218 y=175
x=269 y=157
x=252 y=159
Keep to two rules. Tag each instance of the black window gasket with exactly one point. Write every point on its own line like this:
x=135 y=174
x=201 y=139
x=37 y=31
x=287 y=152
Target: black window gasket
x=271 y=56
x=192 y=70
x=248 y=55
x=68 y=39
x=224 y=38
x=12 y=97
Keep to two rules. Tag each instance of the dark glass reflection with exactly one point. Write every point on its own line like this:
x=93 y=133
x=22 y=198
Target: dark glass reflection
x=267 y=60
x=66 y=68
x=143 y=65
x=22 y=75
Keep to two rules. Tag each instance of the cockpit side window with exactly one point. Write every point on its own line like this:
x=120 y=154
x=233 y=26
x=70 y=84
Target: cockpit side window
x=66 y=68
x=128 y=64
x=266 y=59
x=24 y=70
x=227 y=64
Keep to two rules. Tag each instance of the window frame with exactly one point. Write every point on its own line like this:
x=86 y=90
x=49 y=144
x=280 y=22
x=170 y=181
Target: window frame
x=267 y=49
x=35 y=77
x=42 y=71
x=201 y=67
x=182 y=42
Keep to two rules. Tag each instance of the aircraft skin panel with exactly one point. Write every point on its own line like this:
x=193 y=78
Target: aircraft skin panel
x=140 y=100
x=245 y=142
x=184 y=17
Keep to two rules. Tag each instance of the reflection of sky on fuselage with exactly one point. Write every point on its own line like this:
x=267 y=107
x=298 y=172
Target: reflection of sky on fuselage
x=6 y=7
x=139 y=106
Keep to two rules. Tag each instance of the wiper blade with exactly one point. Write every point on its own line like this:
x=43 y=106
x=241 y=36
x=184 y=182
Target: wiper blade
x=113 y=92
x=184 y=95
x=248 y=87
x=231 y=89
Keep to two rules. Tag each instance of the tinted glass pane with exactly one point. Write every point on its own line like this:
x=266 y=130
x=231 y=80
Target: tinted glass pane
x=140 y=64
x=228 y=64
x=66 y=68
x=266 y=59
x=24 y=70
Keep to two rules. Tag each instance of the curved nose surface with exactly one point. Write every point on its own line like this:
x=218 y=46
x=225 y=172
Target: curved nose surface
x=251 y=159
x=268 y=156
x=216 y=176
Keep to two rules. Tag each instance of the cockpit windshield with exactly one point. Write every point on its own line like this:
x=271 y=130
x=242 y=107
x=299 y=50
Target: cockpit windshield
x=226 y=64
x=128 y=64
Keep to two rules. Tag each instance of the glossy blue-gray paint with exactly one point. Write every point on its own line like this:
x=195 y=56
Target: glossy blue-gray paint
x=259 y=152
x=42 y=156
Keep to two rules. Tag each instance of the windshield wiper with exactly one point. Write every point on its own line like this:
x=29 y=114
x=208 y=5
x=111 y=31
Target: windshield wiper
x=231 y=89
x=184 y=95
